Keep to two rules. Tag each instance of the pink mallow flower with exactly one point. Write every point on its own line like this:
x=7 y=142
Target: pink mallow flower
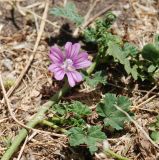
x=68 y=63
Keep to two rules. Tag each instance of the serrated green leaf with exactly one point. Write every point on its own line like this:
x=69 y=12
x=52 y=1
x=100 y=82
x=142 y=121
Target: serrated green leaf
x=79 y=108
x=76 y=136
x=69 y=11
x=95 y=79
x=119 y=54
x=124 y=103
x=90 y=35
x=60 y=108
x=113 y=122
x=106 y=106
x=75 y=121
x=130 y=49
x=116 y=51
x=100 y=35
x=89 y=136
x=112 y=116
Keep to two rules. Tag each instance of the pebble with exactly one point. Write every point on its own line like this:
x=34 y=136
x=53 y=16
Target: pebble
x=8 y=64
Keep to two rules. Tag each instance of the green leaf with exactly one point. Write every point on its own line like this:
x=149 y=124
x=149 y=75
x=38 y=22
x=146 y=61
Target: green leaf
x=124 y=103
x=155 y=136
x=130 y=49
x=100 y=35
x=60 y=108
x=76 y=136
x=151 y=68
x=89 y=136
x=119 y=54
x=134 y=72
x=75 y=121
x=112 y=116
x=151 y=53
x=79 y=108
x=69 y=11
x=95 y=79
x=105 y=108
x=116 y=51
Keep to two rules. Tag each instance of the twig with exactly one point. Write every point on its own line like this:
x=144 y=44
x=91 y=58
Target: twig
x=64 y=3
x=148 y=110
x=2 y=120
x=8 y=104
x=42 y=25
x=22 y=9
x=148 y=100
x=75 y=33
x=136 y=91
x=14 y=118
x=89 y=11
x=22 y=149
x=147 y=94
x=137 y=126
x=96 y=16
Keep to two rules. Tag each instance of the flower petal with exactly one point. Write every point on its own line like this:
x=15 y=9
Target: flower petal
x=72 y=50
x=56 y=55
x=83 y=64
x=68 y=48
x=71 y=80
x=77 y=76
x=54 y=68
x=82 y=61
x=59 y=75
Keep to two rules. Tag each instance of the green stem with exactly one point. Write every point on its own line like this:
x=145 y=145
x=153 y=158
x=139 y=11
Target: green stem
x=91 y=68
x=50 y=124
x=115 y=155
x=38 y=117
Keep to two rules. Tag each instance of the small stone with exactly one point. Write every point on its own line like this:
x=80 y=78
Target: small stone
x=117 y=13
x=127 y=6
x=35 y=93
x=8 y=64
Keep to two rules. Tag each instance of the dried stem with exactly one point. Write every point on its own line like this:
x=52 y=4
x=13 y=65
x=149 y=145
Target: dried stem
x=33 y=54
x=137 y=126
x=22 y=149
x=75 y=33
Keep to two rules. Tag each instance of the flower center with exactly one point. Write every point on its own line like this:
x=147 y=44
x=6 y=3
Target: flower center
x=68 y=65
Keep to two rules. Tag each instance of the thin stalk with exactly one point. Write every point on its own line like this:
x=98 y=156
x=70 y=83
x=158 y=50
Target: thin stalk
x=115 y=155
x=38 y=117
x=50 y=124
x=94 y=64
